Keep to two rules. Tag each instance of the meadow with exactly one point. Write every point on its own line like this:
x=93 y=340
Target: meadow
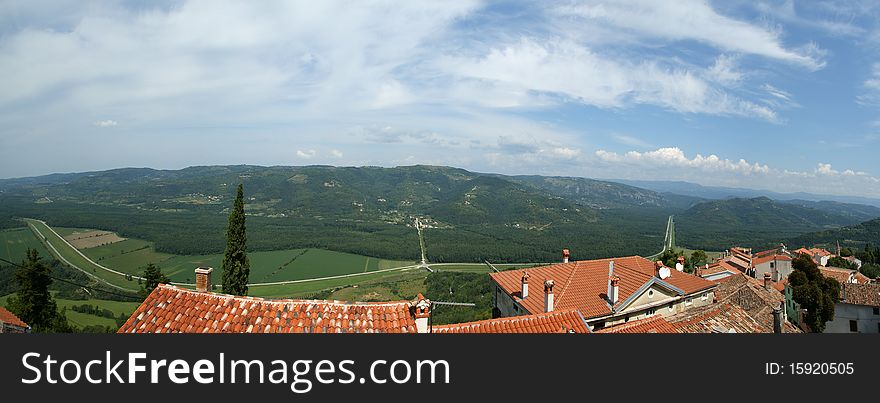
x=14 y=242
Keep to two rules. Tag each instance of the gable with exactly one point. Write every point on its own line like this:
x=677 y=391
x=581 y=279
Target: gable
x=652 y=295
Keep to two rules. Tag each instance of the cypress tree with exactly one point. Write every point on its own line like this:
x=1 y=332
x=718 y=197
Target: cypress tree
x=236 y=266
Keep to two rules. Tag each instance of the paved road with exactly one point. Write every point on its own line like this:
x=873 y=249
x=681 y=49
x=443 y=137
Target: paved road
x=668 y=239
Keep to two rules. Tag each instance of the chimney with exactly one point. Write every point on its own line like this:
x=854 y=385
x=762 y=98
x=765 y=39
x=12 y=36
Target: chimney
x=525 y=285
x=203 y=279
x=615 y=289
x=767 y=280
x=422 y=312
x=660 y=270
x=777 y=320
x=565 y=255
x=548 y=295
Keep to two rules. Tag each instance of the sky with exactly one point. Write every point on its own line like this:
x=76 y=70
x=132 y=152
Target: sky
x=778 y=95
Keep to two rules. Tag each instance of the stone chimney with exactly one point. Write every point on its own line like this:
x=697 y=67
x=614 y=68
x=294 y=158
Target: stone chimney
x=565 y=255
x=615 y=289
x=203 y=279
x=422 y=312
x=777 y=320
x=767 y=280
x=525 y=285
x=548 y=295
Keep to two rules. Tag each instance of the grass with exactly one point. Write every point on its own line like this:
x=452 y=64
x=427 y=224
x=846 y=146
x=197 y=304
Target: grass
x=83 y=319
x=14 y=242
x=70 y=255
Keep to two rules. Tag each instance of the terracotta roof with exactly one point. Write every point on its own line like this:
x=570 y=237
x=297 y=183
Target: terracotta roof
x=716 y=318
x=567 y=321
x=862 y=279
x=10 y=318
x=750 y=295
x=766 y=258
x=583 y=285
x=720 y=267
x=170 y=309
x=652 y=324
x=860 y=294
x=840 y=274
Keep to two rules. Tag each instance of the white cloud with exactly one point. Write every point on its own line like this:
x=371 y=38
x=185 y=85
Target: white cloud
x=306 y=154
x=674 y=157
x=871 y=93
x=105 y=123
x=336 y=153
x=564 y=68
x=671 y=163
x=691 y=20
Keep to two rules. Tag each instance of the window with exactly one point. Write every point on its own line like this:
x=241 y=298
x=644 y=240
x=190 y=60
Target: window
x=853 y=326
x=650 y=293
x=876 y=311
x=689 y=301
x=650 y=312
x=671 y=307
x=704 y=296
x=772 y=265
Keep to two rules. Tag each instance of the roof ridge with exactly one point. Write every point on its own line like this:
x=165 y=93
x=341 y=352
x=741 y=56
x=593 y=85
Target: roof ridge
x=568 y=282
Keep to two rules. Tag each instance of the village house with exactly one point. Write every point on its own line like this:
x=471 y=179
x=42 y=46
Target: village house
x=9 y=323
x=844 y=276
x=606 y=292
x=858 y=310
x=776 y=262
x=169 y=309
x=820 y=256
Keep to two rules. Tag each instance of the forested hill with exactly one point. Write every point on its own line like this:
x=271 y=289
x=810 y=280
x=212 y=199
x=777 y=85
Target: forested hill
x=853 y=236
x=367 y=210
x=758 y=222
x=370 y=211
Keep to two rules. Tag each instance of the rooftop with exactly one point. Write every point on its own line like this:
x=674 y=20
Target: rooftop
x=583 y=285
x=860 y=294
x=567 y=321
x=653 y=324
x=10 y=318
x=169 y=309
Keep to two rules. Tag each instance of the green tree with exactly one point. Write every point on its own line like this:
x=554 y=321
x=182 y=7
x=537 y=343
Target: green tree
x=699 y=258
x=236 y=266
x=813 y=292
x=33 y=303
x=838 y=261
x=871 y=270
x=153 y=276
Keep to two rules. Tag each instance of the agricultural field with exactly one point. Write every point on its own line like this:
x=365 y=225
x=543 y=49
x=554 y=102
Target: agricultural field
x=14 y=242
x=91 y=238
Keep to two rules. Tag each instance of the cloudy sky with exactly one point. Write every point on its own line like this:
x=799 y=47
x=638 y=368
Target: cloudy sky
x=779 y=95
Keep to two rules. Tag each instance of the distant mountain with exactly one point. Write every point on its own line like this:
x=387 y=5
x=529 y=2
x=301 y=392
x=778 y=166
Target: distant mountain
x=603 y=194
x=718 y=192
x=756 y=222
x=854 y=236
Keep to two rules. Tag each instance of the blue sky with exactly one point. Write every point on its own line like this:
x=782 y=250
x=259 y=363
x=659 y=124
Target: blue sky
x=779 y=95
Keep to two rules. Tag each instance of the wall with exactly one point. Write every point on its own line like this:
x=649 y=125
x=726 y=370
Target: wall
x=863 y=315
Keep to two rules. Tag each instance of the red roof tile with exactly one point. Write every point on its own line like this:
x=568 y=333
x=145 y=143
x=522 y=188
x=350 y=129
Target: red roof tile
x=653 y=324
x=583 y=285
x=567 y=321
x=170 y=309
x=10 y=318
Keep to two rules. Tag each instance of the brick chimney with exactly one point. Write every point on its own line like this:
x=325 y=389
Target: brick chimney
x=615 y=289
x=565 y=255
x=548 y=295
x=203 y=279
x=525 y=285
x=767 y=280
x=422 y=312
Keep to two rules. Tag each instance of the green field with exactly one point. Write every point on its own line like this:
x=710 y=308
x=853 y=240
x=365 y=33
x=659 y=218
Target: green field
x=83 y=319
x=14 y=242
